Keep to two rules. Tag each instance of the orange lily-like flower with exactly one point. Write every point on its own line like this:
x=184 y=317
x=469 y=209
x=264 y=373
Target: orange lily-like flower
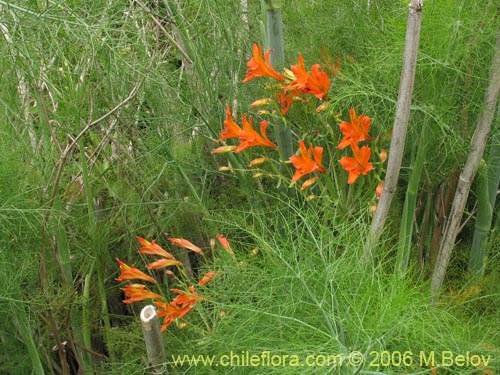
x=261 y=67
x=153 y=248
x=285 y=100
x=357 y=165
x=207 y=278
x=225 y=244
x=250 y=138
x=232 y=130
x=186 y=244
x=355 y=131
x=304 y=163
x=132 y=273
x=187 y=298
x=315 y=83
x=138 y=292
x=170 y=312
x=162 y=263
x=247 y=135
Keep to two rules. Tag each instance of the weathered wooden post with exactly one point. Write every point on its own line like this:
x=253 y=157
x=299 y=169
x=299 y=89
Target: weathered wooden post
x=154 y=340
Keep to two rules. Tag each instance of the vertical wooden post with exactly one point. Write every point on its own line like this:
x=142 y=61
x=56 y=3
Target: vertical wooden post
x=154 y=340
x=400 y=126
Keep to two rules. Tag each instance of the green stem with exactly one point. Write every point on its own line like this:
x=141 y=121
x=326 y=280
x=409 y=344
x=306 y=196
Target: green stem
x=86 y=331
x=22 y=323
x=406 y=228
x=98 y=245
x=483 y=223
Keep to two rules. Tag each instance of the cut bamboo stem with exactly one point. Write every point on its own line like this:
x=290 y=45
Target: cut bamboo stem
x=277 y=58
x=153 y=339
x=478 y=145
x=400 y=126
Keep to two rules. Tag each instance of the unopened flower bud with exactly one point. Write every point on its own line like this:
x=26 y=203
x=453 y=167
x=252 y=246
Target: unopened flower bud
x=261 y=103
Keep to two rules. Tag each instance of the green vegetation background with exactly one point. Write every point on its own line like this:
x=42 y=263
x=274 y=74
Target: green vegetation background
x=146 y=169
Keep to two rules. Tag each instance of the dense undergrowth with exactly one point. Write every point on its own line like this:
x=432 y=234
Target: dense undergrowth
x=151 y=108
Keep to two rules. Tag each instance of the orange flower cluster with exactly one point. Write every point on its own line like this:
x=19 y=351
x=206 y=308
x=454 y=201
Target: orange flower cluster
x=178 y=307
x=247 y=135
x=296 y=81
x=355 y=132
x=183 y=302
x=293 y=83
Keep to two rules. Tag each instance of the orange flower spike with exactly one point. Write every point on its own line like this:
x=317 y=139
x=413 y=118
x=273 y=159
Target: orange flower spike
x=261 y=67
x=132 y=273
x=250 y=138
x=207 y=278
x=186 y=244
x=358 y=165
x=231 y=129
x=355 y=131
x=304 y=163
x=162 y=263
x=153 y=248
x=138 y=292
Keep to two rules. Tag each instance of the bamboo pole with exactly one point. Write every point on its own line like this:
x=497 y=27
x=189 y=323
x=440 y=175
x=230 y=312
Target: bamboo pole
x=489 y=181
x=478 y=145
x=400 y=126
x=153 y=339
x=277 y=58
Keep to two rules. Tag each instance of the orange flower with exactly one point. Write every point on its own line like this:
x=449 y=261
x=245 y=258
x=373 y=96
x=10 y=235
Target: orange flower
x=304 y=163
x=261 y=67
x=207 y=278
x=247 y=135
x=162 y=263
x=186 y=298
x=170 y=312
x=357 y=165
x=355 y=131
x=232 y=130
x=132 y=273
x=153 y=248
x=186 y=244
x=138 y=292
x=285 y=100
x=250 y=138
x=315 y=83
x=225 y=243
